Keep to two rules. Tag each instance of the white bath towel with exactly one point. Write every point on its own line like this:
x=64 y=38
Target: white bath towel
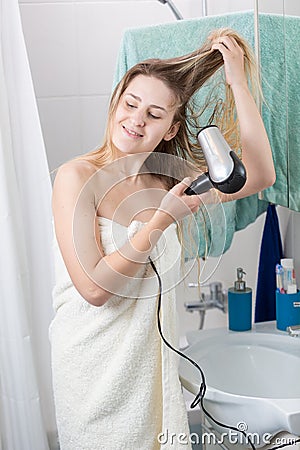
x=116 y=384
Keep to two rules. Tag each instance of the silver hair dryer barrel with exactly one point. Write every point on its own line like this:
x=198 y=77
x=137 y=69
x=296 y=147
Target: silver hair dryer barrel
x=226 y=171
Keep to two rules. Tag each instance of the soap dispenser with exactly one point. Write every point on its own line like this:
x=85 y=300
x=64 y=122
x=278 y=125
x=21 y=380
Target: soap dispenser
x=240 y=304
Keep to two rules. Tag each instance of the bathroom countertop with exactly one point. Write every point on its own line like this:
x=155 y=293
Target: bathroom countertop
x=260 y=327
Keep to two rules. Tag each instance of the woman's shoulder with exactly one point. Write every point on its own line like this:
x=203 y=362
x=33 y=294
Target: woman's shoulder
x=76 y=169
x=73 y=175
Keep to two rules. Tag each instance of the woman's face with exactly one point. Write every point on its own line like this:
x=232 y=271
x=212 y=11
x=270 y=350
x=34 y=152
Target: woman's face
x=144 y=116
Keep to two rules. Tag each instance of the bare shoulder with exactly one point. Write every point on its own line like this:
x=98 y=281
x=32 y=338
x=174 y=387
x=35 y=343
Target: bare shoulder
x=72 y=179
x=75 y=171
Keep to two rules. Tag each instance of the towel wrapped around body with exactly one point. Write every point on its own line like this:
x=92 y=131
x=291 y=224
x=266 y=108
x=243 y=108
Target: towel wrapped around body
x=116 y=385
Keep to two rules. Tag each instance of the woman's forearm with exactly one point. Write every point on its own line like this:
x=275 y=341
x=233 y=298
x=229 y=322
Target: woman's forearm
x=256 y=150
x=115 y=270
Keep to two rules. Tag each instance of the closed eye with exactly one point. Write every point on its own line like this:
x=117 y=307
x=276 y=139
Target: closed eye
x=153 y=116
x=133 y=106
x=130 y=105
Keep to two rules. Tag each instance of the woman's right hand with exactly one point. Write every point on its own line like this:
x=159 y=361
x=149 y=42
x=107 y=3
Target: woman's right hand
x=176 y=204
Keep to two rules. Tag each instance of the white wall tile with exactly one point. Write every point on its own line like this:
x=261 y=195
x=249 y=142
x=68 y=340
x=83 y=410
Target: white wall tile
x=49 y=31
x=274 y=7
x=60 y=120
x=287 y=7
x=72 y=126
x=100 y=28
x=190 y=9
x=46 y=1
x=292 y=7
x=93 y=114
x=215 y=7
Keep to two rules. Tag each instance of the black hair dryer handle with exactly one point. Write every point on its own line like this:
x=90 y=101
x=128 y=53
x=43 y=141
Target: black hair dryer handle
x=200 y=185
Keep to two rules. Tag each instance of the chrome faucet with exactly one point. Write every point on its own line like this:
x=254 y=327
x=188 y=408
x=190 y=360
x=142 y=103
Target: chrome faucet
x=217 y=298
x=294 y=330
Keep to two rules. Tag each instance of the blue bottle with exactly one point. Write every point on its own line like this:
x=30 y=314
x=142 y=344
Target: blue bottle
x=240 y=304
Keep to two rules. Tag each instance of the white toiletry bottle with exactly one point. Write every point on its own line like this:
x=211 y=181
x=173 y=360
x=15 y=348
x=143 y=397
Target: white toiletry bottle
x=289 y=279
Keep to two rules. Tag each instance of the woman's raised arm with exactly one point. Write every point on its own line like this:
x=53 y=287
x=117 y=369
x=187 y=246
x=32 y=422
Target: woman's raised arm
x=256 y=151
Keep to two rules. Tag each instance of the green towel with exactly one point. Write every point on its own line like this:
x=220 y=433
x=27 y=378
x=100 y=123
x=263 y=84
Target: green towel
x=175 y=39
x=226 y=219
x=280 y=68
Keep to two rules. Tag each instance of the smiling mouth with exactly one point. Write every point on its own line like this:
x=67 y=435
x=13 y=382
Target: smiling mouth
x=131 y=132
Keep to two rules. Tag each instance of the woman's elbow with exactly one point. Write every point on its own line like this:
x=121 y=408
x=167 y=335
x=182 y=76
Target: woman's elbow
x=269 y=178
x=95 y=296
x=259 y=183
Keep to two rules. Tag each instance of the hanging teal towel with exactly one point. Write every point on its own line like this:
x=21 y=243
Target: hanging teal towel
x=280 y=67
x=176 y=38
x=215 y=233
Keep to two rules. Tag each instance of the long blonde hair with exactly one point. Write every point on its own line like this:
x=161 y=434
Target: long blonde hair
x=184 y=76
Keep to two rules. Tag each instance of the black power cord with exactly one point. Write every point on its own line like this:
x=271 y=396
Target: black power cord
x=199 y=398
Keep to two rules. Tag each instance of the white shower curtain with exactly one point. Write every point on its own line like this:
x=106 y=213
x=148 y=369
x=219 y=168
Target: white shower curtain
x=26 y=406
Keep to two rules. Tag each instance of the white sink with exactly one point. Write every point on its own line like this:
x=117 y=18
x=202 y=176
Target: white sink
x=252 y=378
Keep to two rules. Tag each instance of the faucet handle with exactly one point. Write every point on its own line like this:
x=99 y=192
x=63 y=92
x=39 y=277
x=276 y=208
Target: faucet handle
x=213 y=285
x=293 y=330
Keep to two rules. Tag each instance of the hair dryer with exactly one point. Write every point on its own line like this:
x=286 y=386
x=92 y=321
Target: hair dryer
x=226 y=171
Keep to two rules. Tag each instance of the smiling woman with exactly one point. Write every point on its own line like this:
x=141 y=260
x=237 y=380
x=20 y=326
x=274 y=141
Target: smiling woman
x=144 y=116
x=115 y=386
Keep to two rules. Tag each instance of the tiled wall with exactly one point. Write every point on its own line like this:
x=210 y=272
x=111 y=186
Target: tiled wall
x=72 y=49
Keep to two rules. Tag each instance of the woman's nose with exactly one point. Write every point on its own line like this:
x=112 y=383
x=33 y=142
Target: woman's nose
x=138 y=118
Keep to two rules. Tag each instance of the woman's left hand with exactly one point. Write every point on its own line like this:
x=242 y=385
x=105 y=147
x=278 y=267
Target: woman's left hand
x=233 y=56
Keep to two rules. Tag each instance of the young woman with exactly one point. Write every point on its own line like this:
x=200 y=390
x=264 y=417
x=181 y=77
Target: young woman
x=115 y=383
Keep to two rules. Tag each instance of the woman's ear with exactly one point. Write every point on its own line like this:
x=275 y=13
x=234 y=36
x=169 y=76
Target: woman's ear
x=173 y=130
